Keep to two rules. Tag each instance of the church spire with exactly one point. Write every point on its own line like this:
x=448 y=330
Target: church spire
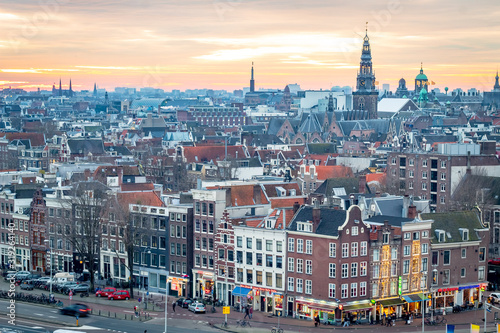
x=95 y=89
x=252 y=81
x=70 y=89
x=496 y=87
x=60 y=87
x=366 y=76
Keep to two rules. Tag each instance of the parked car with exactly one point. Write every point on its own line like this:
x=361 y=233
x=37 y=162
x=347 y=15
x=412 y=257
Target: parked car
x=65 y=287
x=119 y=294
x=81 y=309
x=26 y=285
x=105 y=292
x=9 y=276
x=81 y=288
x=186 y=302
x=197 y=307
x=5 y=273
x=495 y=297
x=180 y=300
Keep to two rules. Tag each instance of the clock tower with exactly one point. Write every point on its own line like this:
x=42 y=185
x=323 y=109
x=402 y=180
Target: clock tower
x=365 y=98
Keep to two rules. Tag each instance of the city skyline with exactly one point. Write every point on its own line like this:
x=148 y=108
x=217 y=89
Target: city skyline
x=212 y=44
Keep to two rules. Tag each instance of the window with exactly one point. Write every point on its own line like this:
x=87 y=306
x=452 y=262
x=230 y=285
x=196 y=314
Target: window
x=290 y=283
x=300 y=265
x=269 y=245
x=462 y=272
x=362 y=289
x=345 y=271
x=332 y=270
x=249 y=258
x=308 y=266
x=443 y=187
x=410 y=185
x=299 y=285
x=446 y=276
x=344 y=290
x=424 y=264
x=464 y=233
x=443 y=176
x=291 y=264
x=291 y=244
x=269 y=279
x=480 y=273
x=354 y=231
x=269 y=260
x=407 y=250
x=354 y=249
x=331 y=290
x=464 y=253
x=332 y=250
x=354 y=269
x=406 y=266
x=309 y=287
x=385 y=238
x=376 y=271
x=279 y=246
x=482 y=251
x=363 y=268
x=354 y=290
x=376 y=255
x=424 y=186
x=309 y=246
x=424 y=163
x=258 y=244
x=345 y=250
x=446 y=257
x=411 y=173
x=425 y=248
x=443 y=164
x=363 y=249
x=424 y=174
x=407 y=235
x=239 y=241
x=300 y=245
x=249 y=243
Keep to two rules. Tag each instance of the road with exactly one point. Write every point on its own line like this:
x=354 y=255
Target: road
x=96 y=324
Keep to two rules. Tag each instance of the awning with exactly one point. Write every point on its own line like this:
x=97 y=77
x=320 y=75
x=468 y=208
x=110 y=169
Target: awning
x=391 y=302
x=414 y=298
x=240 y=291
x=357 y=307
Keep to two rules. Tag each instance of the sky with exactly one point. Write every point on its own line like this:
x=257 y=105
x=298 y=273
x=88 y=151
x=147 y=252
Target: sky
x=189 y=44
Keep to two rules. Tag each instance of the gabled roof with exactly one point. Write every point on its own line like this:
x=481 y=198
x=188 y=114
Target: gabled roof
x=36 y=139
x=243 y=195
x=143 y=198
x=331 y=171
x=212 y=153
x=330 y=220
x=86 y=145
x=451 y=222
x=350 y=184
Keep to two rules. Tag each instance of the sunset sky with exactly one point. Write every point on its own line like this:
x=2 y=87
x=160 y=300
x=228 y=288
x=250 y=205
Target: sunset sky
x=212 y=43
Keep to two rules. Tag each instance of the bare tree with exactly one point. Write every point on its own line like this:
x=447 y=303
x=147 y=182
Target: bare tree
x=473 y=190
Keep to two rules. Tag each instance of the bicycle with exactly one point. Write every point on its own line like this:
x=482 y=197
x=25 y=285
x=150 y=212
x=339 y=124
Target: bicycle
x=224 y=324
x=59 y=304
x=243 y=323
x=437 y=321
x=276 y=330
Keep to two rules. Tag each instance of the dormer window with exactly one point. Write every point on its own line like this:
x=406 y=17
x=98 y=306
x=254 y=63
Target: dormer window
x=464 y=233
x=293 y=192
x=440 y=236
x=304 y=226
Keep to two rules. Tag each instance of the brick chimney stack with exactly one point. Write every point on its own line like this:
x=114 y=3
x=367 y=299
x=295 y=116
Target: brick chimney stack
x=412 y=212
x=316 y=215
x=362 y=184
x=256 y=194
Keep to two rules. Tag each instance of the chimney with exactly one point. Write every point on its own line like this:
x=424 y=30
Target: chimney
x=316 y=215
x=256 y=194
x=228 y=197
x=296 y=207
x=412 y=212
x=406 y=204
x=362 y=184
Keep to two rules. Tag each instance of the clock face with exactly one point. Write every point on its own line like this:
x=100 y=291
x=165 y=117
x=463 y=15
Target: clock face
x=362 y=83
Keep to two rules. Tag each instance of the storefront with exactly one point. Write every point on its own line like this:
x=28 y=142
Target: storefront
x=389 y=307
x=308 y=308
x=358 y=311
x=265 y=300
x=414 y=302
x=178 y=286
x=203 y=283
x=464 y=296
x=241 y=297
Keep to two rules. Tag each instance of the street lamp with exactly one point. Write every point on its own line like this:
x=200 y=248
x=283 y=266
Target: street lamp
x=146 y=250
x=50 y=247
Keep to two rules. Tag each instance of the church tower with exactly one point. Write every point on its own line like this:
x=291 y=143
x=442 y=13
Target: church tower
x=421 y=81
x=60 y=87
x=252 y=82
x=365 y=98
x=496 y=87
x=70 y=92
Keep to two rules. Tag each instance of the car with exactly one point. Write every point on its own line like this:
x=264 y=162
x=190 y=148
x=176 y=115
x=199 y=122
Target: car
x=180 y=300
x=81 y=288
x=186 y=302
x=76 y=309
x=26 y=285
x=63 y=287
x=494 y=261
x=197 y=307
x=495 y=297
x=67 y=287
x=119 y=294
x=105 y=292
x=10 y=276
x=5 y=273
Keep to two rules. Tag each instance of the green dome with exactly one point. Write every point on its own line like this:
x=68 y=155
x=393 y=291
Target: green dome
x=423 y=92
x=421 y=76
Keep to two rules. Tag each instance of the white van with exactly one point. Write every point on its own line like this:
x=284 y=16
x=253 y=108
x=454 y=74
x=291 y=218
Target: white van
x=63 y=277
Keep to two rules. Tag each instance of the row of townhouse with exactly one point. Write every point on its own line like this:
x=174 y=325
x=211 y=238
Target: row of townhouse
x=329 y=262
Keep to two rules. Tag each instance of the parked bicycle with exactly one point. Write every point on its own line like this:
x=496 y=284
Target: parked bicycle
x=224 y=324
x=243 y=323
x=276 y=330
x=59 y=304
x=438 y=320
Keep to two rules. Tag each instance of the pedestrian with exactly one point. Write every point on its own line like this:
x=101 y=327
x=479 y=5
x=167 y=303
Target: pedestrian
x=251 y=312
x=173 y=306
x=316 y=320
x=383 y=319
x=247 y=313
x=346 y=321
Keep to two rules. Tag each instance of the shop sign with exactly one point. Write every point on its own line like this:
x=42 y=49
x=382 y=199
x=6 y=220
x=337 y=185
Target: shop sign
x=226 y=310
x=174 y=285
x=400 y=285
x=447 y=289
x=468 y=287
x=259 y=288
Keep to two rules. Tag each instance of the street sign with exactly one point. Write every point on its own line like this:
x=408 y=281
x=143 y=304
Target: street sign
x=226 y=310
x=71 y=292
x=70 y=297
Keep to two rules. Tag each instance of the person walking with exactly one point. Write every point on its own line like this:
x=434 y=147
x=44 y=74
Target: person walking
x=173 y=306
x=316 y=320
x=346 y=321
x=251 y=312
x=247 y=313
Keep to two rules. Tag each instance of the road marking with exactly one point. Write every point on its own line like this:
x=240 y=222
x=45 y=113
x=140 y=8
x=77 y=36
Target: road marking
x=38 y=314
x=52 y=317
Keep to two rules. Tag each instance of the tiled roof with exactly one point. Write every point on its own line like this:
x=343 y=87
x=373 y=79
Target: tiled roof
x=271 y=188
x=378 y=177
x=212 y=153
x=332 y=171
x=36 y=139
x=451 y=222
x=137 y=187
x=330 y=219
x=287 y=201
x=143 y=198
x=242 y=195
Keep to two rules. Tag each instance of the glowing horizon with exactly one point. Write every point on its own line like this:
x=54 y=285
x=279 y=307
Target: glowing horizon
x=198 y=44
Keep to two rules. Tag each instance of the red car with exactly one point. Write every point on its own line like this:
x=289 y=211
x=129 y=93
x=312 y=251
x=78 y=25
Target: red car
x=119 y=294
x=105 y=292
